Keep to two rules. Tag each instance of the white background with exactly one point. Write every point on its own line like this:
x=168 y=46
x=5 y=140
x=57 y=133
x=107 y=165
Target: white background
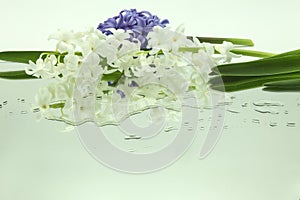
x=38 y=162
x=273 y=25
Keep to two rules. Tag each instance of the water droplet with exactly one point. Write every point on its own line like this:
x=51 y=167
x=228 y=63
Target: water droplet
x=256 y=121
x=22 y=100
x=268 y=111
x=225 y=103
x=201 y=128
x=186 y=123
x=0 y=105
x=286 y=112
x=208 y=107
x=190 y=128
x=23 y=112
x=168 y=129
x=4 y=103
x=291 y=124
x=98 y=97
x=273 y=124
x=244 y=104
x=267 y=103
x=233 y=111
x=133 y=137
x=225 y=127
x=35 y=110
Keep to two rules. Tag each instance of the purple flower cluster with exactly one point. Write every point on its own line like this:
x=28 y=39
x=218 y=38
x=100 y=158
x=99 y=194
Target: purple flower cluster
x=140 y=23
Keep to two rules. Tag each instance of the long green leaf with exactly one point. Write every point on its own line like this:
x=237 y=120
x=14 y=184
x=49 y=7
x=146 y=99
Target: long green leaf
x=16 y=75
x=284 y=84
x=21 y=56
x=294 y=52
x=237 y=83
x=268 y=66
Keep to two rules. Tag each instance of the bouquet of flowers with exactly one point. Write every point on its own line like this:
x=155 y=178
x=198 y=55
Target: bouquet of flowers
x=137 y=61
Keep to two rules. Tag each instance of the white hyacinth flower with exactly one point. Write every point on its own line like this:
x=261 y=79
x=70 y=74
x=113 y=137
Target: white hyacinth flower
x=165 y=39
x=67 y=40
x=42 y=68
x=159 y=39
x=224 y=49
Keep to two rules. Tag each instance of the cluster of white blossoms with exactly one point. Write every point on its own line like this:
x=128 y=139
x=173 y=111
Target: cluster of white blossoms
x=105 y=79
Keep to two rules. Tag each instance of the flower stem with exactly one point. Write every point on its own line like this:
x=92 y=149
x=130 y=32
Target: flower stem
x=253 y=53
x=244 y=52
x=235 y=41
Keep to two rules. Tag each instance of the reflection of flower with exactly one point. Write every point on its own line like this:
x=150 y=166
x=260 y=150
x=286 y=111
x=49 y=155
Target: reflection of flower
x=140 y=23
x=43 y=100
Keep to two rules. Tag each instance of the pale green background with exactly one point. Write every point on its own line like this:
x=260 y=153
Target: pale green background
x=251 y=161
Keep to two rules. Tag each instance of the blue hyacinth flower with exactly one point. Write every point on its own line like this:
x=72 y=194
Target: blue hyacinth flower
x=140 y=23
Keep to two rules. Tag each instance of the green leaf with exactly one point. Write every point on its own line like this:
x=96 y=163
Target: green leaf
x=21 y=56
x=294 y=52
x=268 y=66
x=16 y=75
x=237 y=83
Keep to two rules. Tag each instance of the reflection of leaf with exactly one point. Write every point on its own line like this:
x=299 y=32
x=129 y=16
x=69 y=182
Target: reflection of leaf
x=285 y=85
x=236 y=83
x=276 y=89
x=57 y=105
x=16 y=75
x=113 y=77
